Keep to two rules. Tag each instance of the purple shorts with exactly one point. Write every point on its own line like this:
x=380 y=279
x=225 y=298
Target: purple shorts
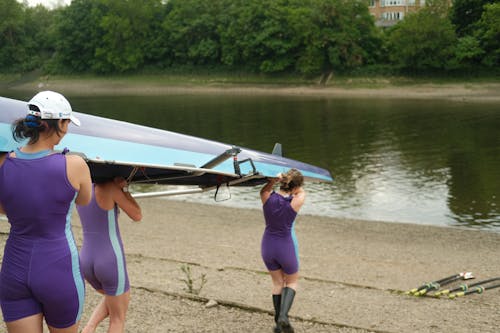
x=103 y=263
x=41 y=276
x=280 y=253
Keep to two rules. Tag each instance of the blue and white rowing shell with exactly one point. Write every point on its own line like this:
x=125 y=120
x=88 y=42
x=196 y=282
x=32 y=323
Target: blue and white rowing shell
x=149 y=155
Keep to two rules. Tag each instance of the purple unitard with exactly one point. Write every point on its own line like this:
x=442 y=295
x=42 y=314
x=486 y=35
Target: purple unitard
x=40 y=268
x=279 y=244
x=102 y=256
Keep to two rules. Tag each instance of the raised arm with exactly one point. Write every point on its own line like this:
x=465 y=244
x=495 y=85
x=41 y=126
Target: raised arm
x=266 y=191
x=299 y=196
x=124 y=199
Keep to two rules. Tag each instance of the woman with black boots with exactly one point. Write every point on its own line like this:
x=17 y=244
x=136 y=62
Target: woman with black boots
x=279 y=243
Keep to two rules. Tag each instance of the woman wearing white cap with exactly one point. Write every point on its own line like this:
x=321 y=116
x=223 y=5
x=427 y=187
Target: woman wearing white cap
x=40 y=276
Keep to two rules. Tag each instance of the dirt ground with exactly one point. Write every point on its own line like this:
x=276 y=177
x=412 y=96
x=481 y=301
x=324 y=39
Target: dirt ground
x=353 y=273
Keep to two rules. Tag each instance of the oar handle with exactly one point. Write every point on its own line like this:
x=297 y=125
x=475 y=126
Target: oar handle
x=429 y=287
x=442 y=292
x=455 y=295
x=426 y=285
x=435 y=285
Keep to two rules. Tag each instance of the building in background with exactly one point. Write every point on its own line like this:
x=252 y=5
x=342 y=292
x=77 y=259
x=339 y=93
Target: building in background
x=389 y=12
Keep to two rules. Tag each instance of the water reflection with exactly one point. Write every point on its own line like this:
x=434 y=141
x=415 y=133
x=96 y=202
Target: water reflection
x=429 y=162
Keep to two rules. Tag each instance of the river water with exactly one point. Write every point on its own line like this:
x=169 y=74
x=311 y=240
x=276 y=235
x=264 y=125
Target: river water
x=417 y=161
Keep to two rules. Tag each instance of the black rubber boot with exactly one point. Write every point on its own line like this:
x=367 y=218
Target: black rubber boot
x=277 y=305
x=287 y=296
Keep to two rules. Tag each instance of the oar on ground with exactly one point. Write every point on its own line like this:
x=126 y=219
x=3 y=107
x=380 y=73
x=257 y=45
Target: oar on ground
x=475 y=290
x=435 y=285
x=464 y=287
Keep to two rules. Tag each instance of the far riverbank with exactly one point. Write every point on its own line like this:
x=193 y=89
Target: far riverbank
x=482 y=92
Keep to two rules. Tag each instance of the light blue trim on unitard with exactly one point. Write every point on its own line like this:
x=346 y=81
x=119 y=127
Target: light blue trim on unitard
x=115 y=243
x=75 y=261
x=295 y=243
x=31 y=156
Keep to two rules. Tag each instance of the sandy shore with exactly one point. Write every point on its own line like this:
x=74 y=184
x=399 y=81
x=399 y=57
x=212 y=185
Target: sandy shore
x=464 y=92
x=351 y=273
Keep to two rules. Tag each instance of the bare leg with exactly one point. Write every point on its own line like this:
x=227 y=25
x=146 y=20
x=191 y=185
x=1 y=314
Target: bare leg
x=278 y=278
x=71 y=329
x=292 y=281
x=117 y=307
x=100 y=313
x=32 y=324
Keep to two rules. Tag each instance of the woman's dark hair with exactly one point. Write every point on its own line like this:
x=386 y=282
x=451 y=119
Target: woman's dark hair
x=31 y=127
x=290 y=180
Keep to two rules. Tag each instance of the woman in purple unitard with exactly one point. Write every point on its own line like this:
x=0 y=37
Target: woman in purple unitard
x=39 y=187
x=279 y=243
x=102 y=256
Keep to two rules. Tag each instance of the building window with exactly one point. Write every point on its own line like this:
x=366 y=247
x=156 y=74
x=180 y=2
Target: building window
x=392 y=16
x=387 y=3
x=372 y=3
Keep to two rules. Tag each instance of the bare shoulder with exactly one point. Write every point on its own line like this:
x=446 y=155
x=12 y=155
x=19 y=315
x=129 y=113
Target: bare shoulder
x=76 y=163
x=75 y=159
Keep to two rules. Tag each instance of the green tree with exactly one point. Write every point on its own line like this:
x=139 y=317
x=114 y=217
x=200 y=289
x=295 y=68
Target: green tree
x=12 y=52
x=307 y=36
x=127 y=27
x=190 y=32
x=257 y=35
x=489 y=34
x=468 y=51
x=336 y=35
x=106 y=36
x=39 y=36
x=78 y=34
x=423 y=41
x=464 y=14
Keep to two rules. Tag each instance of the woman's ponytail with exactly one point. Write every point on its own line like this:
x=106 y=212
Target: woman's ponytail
x=291 y=180
x=31 y=126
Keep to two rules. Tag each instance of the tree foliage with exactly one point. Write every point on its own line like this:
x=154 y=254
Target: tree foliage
x=465 y=14
x=78 y=35
x=26 y=36
x=310 y=37
x=489 y=34
x=11 y=34
x=423 y=41
x=257 y=35
x=189 y=32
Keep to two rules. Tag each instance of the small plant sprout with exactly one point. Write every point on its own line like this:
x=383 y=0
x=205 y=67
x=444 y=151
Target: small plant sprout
x=189 y=281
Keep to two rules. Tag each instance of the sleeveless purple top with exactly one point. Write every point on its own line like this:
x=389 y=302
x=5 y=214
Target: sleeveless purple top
x=37 y=196
x=279 y=215
x=94 y=218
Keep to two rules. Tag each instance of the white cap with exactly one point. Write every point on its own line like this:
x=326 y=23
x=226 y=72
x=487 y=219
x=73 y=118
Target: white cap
x=52 y=105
